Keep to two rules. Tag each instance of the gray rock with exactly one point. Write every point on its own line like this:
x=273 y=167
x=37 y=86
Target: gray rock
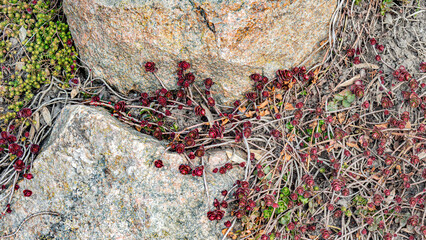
x=225 y=40
x=99 y=175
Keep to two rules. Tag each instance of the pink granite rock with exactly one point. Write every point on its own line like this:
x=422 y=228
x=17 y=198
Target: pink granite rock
x=224 y=40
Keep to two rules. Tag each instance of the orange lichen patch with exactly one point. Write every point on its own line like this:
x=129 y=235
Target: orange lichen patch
x=243 y=32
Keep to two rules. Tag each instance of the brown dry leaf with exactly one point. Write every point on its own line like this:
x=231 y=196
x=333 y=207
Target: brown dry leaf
x=287 y=157
x=348 y=82
x=366 y=65
x=353 y=144
x=32 y=133
x=372 y=73
x=422 y=155
x=208 y=114
x=74 y=92
x=36 y=118
x=398 y=167
x=21 y=129
x=390 y=197
x=45 y=113
x=290 y=137
x=407 y=230
x=276 y=109
x=19 y=66
x=46 y=116
x=242 y=109
x=225 y=121
x=279 y=96
x=331 y=146
x=313 y=124
x=316 y=71
x=257 y=153
x=341 y=116
x=250 y=113
x=288 y=106
x=375 y=177
x=138 y=128
x=47 y=72
x=264 y=113
x=262 y=105
x=371 y=209
x=408 y=125
x=379 y=97
x=230 y=234
x=383 y=125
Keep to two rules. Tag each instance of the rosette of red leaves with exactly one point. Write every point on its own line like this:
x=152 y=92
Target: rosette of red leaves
x=19 y=165
x=199 y=111
x=184 y=65
x=198 y=171
x=158 y=163
x=34 y=148
x=120 y=106
x=150 y=67
x=184 y=169
x=24 y=113
x=27 y=193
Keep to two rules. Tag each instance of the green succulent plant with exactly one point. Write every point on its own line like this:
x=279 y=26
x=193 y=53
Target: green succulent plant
x=345 y=99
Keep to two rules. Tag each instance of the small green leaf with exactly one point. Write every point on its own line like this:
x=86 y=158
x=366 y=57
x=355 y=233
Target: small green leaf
x=350 y=98
x=346 y=104
x=267 y=213
x=285 y=200
x=339 y=97
x=284 y=220
x=285 y=191
x=267 y=169
x=303 y=200
x=332 y=106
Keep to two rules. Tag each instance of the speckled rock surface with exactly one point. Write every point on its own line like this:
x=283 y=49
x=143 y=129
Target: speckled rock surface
x=99 y=175
x=226 y=40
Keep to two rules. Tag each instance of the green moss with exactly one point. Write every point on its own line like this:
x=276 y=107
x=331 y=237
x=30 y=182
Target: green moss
x=45 y=37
